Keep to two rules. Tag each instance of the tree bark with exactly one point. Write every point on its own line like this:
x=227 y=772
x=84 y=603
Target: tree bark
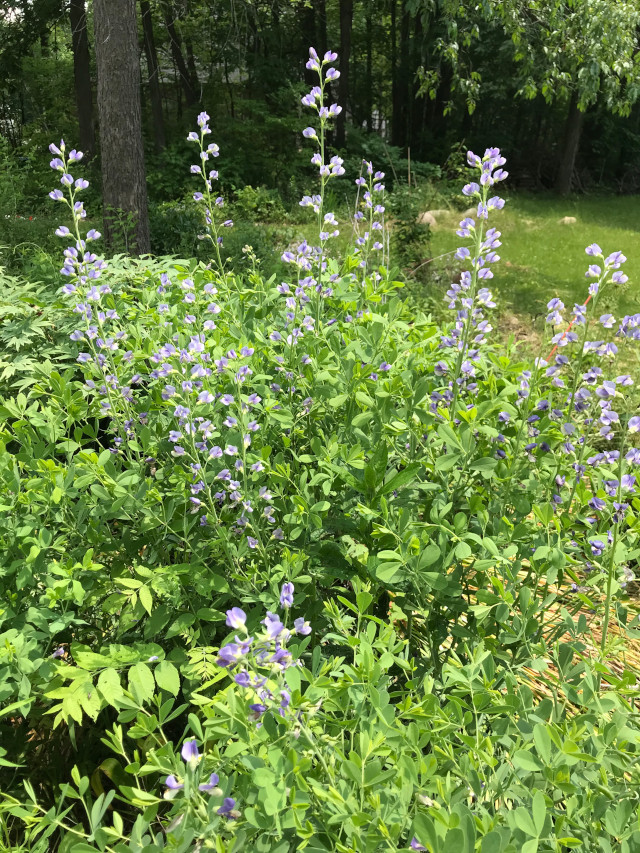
x=82 y=76
x=394 y=66
x=400 y=130
x=191 y=65
x=307 y=19
x=153 y=69
x=415 y=108
x=321 y=26
x=178 y=58
x=123 y=177
x=346 y=24
x=369 y=72
x=570 y=145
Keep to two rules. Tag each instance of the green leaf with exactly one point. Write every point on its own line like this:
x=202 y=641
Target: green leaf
x=337 y=401
x=385 y=572
x=167 y=677
x=429 y=556
x=492 y=843
x=463 y=551
x=539 y=811
x=527 y=761
x=486 y=465
x=524 y=821
x=146 y=599
x=542 y=741
x=400 y=479
x=141 y=683
x=447 y=461
x=363 y=600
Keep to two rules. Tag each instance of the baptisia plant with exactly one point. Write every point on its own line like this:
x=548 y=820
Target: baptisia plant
x=426 y=495
x=259 y=665
x=194 y=388
x=468 y=297
x=578 y=411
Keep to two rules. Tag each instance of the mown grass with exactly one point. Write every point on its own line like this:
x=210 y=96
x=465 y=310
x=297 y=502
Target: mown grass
x=542 y=258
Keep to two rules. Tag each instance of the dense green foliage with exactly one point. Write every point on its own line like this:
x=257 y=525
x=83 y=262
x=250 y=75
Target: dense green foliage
x=287 y=565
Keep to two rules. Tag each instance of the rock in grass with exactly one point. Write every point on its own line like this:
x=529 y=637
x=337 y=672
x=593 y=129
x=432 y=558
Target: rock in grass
x=427 y=218
x=430 y=217
x=567 y=220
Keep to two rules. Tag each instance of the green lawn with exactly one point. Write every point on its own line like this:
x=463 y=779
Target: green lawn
x=542 y=258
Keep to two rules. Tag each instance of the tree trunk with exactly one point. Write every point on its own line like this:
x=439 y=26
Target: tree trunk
x=321 y=26
x=346 y=23
x=178 y=58
x=369 y=72
x=153 y=69
x=570 y=145
x=191 y=65
x=400 y=131
x=394 y=64
x=306 y=17
x=82 y=76
x=415 y=118
x=123 y=177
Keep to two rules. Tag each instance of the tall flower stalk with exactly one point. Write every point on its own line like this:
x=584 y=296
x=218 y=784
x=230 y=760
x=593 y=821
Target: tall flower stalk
x=467 y=296
x=213 y=220
x=333 y=168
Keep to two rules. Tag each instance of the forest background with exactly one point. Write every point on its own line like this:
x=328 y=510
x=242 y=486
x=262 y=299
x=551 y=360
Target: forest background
x=554 y=83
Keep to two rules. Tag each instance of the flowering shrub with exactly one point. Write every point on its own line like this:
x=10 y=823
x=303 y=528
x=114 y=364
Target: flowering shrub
x=230 y=451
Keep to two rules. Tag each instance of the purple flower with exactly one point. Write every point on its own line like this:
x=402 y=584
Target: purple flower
x=286 y=595
x=615 y=259
x=415 y=844
x=256 y=711
x=227 y=809
x=302 y=627
x=189 y=752
x=273 y=625
x=172 y=783
x=230 y=654
x=628 y=482
x=211 y=784
x=634 y=424
x=59 y=652
x=597 y=547
x=236 y=618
